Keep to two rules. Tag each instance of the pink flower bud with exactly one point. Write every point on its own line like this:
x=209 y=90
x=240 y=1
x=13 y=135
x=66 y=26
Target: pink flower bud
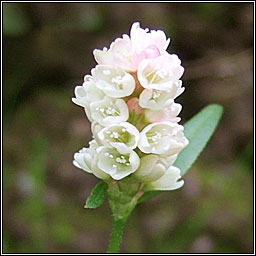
x=151 y=52
x=133 y=106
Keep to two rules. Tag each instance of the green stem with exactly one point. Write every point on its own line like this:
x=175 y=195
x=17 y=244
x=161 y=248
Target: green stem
x=116 y=235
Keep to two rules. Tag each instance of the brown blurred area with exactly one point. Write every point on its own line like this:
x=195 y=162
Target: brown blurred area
x=47 y=49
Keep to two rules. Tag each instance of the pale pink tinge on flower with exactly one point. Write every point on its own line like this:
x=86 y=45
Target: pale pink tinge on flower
x=143 y=38
x=129 y=98
x=151 y=52
x=119 y=54
x=169 y=114
x=133 y=106
x=128 y=52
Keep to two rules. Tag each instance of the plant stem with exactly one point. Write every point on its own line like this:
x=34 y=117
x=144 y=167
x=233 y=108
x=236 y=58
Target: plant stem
x=116 y=235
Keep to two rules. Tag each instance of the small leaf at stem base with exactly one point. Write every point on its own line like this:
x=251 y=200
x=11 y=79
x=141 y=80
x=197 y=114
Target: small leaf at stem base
x=97 y=196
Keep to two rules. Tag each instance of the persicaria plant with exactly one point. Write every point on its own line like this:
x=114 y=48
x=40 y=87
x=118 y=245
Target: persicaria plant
x=139 y=148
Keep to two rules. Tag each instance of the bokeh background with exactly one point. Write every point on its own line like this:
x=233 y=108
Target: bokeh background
x=47 y=49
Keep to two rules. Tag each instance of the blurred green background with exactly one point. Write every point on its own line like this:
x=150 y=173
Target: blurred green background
x=47 y=49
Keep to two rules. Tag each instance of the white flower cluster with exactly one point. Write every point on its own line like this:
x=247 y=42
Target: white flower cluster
x=129 y=98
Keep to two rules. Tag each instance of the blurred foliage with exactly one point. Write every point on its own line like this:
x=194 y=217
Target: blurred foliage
x=14 y=22
x=47 y=48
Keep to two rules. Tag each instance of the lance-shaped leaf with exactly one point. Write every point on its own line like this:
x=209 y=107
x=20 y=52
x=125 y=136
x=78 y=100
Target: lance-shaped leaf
x=97 y=196
x=198 y=130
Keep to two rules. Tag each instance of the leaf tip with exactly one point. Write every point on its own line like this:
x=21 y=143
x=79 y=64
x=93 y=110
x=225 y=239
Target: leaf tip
x=217 y=107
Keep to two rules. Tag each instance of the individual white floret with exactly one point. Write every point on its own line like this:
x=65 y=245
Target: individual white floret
x=113 y=81
x=109 y=111
x=124 y=137
x=158 y=99
x=160 y=73
x=162 y=138
x=87 y=93
x=84 y=159
x=120 y=54
x=117 y=165
x=151 y=168
x=169 y=181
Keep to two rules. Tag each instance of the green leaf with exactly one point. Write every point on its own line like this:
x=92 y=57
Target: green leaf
x=198 y=131
x=97 y=196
